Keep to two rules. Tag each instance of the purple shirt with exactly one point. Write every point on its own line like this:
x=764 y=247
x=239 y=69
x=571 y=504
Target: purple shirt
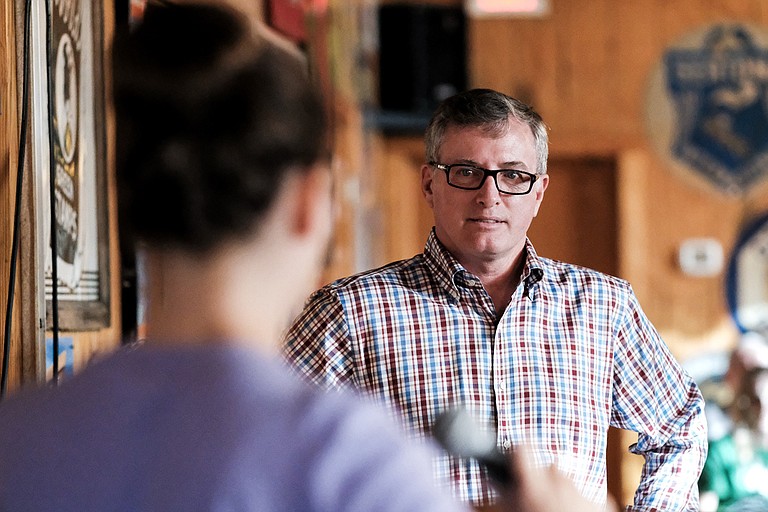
x=204 y=428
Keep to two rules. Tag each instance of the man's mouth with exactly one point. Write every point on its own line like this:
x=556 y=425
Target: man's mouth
x=487 y=220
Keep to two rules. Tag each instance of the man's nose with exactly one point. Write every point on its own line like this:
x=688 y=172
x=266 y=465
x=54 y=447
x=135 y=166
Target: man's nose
x=488 y=193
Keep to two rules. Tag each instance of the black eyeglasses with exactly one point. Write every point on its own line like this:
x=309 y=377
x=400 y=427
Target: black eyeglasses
x=469 y=177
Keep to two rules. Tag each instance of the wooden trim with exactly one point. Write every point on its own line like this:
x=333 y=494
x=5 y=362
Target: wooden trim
x=8 y=165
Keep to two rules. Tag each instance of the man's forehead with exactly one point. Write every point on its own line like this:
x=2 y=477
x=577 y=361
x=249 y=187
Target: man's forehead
x=492 y=132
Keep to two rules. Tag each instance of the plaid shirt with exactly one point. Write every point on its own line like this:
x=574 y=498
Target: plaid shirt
x=572 y=354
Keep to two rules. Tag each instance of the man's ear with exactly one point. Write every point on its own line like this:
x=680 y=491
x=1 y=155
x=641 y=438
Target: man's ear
x=427 y=182
x=539 y=187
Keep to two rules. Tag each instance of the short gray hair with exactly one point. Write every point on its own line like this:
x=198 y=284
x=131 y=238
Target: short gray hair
x=489 y=110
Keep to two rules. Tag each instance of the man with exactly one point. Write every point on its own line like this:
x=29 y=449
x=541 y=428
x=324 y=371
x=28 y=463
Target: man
x=549 y=354
x=223 y=179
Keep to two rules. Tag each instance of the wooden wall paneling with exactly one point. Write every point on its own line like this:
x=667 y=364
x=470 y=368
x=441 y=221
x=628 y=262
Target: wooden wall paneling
x=9 y=133
x=582 y=61
x=689 y=312
x=29 y=299
x=577 y=219
x=585 y=66
x=347 y=164
x=335 y=48
x=522 y=62
x=407 y=219
x=634 y=231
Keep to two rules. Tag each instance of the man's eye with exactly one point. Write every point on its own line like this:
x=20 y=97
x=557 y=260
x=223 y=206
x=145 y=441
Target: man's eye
x=511 y=175
x=467 y=171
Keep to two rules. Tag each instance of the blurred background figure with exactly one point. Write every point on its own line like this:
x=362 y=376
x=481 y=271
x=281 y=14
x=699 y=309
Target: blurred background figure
x=735 y=476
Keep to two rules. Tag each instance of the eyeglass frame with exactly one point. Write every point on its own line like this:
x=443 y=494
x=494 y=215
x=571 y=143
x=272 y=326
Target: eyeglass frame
x=486 y=172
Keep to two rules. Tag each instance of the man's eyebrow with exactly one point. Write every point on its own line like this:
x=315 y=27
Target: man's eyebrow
x=505 y=165
x=515 y=163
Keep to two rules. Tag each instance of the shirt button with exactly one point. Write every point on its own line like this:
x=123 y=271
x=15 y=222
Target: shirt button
x=506 y=444
x=502 y=385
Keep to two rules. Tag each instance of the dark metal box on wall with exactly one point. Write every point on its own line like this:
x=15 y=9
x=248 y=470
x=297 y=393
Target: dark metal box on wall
x=422 y=58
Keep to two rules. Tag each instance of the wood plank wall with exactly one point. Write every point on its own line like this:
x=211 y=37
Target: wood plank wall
x=26 y=359
x=8 y=164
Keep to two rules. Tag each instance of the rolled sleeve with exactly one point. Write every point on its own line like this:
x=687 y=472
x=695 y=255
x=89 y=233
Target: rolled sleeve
x=656 y=398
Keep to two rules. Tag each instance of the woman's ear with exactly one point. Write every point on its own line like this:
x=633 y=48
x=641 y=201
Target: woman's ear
x=313 y=203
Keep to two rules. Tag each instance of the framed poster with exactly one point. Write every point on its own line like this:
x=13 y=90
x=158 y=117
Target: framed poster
x=69 y=160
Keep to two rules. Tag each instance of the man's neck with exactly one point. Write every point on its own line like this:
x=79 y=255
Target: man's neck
x=500 y=279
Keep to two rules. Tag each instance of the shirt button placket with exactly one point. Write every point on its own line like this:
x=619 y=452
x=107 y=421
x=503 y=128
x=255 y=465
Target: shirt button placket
x=501 y=388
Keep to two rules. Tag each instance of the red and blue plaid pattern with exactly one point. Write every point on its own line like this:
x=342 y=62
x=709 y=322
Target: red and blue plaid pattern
x=572 y=354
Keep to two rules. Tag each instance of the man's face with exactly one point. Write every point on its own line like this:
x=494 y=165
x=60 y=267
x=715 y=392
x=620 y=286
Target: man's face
x=484 y=226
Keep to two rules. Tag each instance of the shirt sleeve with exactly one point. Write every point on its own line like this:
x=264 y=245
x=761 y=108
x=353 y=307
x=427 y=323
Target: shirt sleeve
x=655 y=397
x=318 y=345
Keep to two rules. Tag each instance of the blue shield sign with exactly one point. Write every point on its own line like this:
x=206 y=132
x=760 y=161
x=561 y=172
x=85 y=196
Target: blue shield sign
x=720 y=96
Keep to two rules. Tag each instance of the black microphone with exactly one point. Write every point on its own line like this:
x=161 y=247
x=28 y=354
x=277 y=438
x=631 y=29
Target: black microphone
x=458 y=433
x=534 y=277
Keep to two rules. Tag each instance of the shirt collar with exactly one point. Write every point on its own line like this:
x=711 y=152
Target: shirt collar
x=449 y=273
x=446 y=269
